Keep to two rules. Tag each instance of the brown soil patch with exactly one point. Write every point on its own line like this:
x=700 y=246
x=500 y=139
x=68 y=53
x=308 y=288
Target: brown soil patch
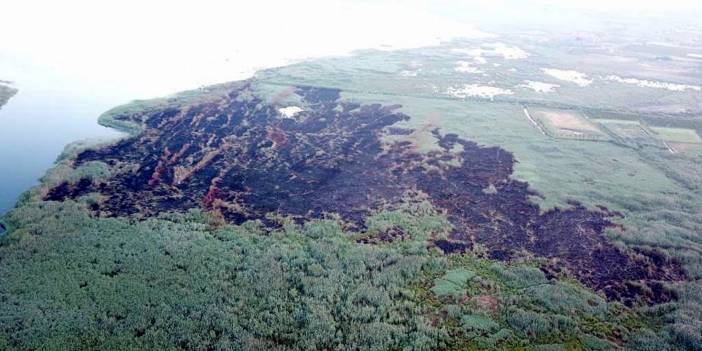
x=486 y=303
x=568 y=121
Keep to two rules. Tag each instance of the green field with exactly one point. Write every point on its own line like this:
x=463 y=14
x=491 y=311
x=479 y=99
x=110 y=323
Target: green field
x=628 y=132
x=677 y=135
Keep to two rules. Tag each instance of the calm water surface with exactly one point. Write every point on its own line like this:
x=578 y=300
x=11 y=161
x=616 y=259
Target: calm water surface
x=35 y=126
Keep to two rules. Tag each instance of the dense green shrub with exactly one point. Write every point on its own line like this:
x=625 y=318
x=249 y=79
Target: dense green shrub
x=536 y=325
x=187 y=281
x=71 y=280
x=563 y=298
x=477 y=325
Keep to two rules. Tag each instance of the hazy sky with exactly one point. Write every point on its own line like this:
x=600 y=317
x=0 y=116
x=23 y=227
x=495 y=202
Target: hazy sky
x=147 y=48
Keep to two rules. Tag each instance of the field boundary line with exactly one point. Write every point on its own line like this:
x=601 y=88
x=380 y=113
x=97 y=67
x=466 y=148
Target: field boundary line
x=526 y=112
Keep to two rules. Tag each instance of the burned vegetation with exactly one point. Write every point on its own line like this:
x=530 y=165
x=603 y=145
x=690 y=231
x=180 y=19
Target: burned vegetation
x=240 y=157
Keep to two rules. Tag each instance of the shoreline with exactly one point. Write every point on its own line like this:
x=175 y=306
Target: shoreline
x=58 y=121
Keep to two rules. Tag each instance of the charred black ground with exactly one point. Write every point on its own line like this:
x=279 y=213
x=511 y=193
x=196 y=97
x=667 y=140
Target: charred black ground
x=240 y=157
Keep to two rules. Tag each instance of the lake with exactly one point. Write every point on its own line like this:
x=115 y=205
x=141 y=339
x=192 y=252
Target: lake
x=35 y=126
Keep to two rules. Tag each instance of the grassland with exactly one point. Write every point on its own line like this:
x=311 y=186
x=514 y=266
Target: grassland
x=111 y=118
x=625 y=129
x=567 y=125
x=677 y=135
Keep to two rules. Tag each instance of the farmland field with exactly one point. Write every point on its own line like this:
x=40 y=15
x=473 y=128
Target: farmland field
x=629 y=132
x=625 y=129
x=568 y=125
x=677 y=135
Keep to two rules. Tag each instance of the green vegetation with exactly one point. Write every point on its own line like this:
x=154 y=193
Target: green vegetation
x=189 y=281
x=453 y=283
x=112 y=118
x=107 y=120
x=679 y=135
x=73 y=281
x=488 y=305
x=630 y=133
x=183 y=281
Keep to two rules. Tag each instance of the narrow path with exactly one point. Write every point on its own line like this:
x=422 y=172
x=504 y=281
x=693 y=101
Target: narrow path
x=672 y=151
x=526 y=112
